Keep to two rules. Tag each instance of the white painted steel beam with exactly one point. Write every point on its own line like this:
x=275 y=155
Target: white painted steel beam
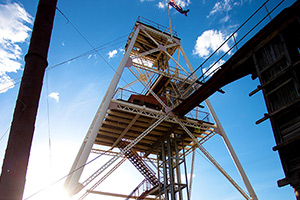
x=125 y=130
x=176 y=62
x=153 y=50
x=213 y=161
x=103 y=178
x=72 y=181
x=163 y=73
x=128 y=147
x=149 y=89
x=226 y=141
x=192 y=172
x=187 y=60
x=232 y=152
x=148 y=112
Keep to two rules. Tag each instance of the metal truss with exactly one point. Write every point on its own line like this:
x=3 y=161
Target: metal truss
x=173 y=76
x=213 y=161
x=128 y=147
x=103 y=178
x=113 y=153
x=137 y=63
x=140 y=110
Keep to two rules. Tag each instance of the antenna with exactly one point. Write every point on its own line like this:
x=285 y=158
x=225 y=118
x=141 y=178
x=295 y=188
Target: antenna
x=170 y=24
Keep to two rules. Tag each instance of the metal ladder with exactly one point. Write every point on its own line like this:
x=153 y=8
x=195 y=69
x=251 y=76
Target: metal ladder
x=138 y=162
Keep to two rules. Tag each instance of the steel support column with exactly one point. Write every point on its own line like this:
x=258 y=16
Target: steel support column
x=228 y=145
x=72 y=181
x=213 y=161
x=172 y=186
x=232 y=152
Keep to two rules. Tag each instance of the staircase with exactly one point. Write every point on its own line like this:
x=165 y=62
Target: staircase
x=138 y=162
x=142 y=190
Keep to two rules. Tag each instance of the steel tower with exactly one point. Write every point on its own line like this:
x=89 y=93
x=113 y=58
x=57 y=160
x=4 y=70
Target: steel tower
x=135 y=122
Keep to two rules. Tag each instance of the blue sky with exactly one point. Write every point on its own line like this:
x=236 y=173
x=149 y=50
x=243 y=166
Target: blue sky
x=73 y=91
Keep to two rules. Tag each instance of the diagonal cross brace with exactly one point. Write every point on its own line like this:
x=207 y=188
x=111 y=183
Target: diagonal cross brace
x=213 y=161
x=103 y=178
x=128 y=147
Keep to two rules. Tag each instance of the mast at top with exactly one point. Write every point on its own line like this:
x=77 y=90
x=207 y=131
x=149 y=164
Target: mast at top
x=176 y=7
x=170 y=24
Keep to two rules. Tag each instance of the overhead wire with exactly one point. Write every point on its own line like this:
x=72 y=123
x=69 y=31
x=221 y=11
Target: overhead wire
x=99 y=48
x=104 y=46
x=232 y=35
x=17 y=117
x=85 y=54
x=200 y=66
x=17 y=81
x=4 y=133
x=77 y=30
x=48 y=119
x=62 y=178
x=93 y=50
x=9 y=86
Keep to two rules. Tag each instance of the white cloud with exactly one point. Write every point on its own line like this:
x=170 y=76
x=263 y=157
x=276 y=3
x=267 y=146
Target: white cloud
x=5 y=83
x=182 y=3
x=161 y=4
x=112 y=53
x=221 y=6
x=122 y=50
x=213 y=68
x=210 y=41
x=225 y=19
x=13 y=30
x=225 y=6
x=55 y=96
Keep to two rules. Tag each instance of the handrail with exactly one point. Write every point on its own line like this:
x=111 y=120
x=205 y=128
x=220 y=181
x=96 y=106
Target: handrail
x=144 y=183
x=156 y=25
x=209 y=72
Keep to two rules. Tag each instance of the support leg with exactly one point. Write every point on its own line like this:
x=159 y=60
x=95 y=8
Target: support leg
x=71 y=183
x=232 y=152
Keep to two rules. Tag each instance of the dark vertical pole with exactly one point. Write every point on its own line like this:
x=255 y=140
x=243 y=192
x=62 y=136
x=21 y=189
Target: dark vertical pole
x=15 y=163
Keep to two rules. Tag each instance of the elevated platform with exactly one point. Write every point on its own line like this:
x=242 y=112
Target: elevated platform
x=146 y=46
x=126 y=120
